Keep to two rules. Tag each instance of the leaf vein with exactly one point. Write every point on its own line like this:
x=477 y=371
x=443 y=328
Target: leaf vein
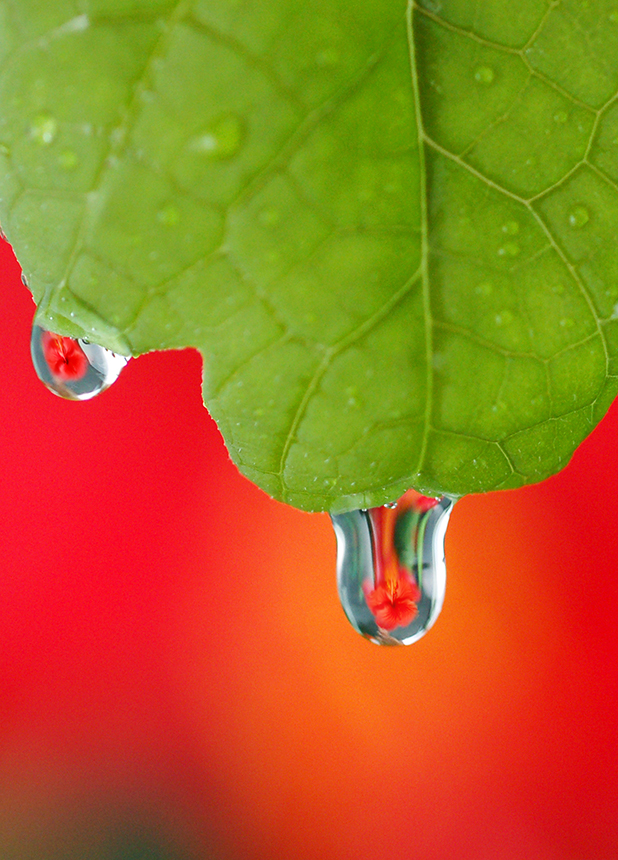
x=119 y=142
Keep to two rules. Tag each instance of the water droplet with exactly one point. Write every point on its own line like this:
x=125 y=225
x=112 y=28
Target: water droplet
x=567 y=322
x=484 y=289
x=391 y=573
x=169 y=215
x=613 y=17
x=67 y=160
x=221 y=140
x=558 y=289
x=511 y=228
x=504 y=318
x=365 y=195
x=484 y=75
x=269 y=216
x=327 y=57
x=579 y=217
x=509 y=249
x=44 y=129
x=561 y=117
x=71 y=368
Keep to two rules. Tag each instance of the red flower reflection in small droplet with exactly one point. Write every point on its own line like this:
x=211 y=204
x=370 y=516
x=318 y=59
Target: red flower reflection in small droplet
x=64 y=356
x=394 y=602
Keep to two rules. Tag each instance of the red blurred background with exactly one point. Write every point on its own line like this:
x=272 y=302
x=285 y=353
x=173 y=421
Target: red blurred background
x=177 y=679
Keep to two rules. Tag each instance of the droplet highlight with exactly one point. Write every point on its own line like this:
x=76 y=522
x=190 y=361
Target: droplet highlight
x=73 y=368
x=391 y=572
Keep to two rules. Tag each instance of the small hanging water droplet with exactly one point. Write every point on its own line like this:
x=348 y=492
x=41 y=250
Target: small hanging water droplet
x=391 y=573
x=73 y=368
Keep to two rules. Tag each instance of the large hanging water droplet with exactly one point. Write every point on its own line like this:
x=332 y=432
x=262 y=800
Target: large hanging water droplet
x=73 y=368
x=391 y=573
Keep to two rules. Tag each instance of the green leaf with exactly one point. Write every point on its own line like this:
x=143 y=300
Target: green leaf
x=390 y=231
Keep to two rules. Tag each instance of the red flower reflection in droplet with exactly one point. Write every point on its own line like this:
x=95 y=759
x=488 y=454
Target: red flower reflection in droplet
x=423 y=503
x=394 y=602
x=393 y=595
x=64 y=356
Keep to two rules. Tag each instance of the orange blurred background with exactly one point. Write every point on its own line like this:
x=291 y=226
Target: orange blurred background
x=178 y=681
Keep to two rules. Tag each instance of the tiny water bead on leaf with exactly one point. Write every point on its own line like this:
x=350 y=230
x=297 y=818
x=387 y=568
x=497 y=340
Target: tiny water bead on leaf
x=579 y=217
x=484 y=75
x=391 y=572
x=73 y=368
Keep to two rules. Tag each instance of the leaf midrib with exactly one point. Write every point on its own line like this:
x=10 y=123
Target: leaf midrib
x=427 y=318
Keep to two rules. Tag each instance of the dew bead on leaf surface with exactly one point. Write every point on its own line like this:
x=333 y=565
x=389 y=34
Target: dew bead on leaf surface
x=389 y=228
